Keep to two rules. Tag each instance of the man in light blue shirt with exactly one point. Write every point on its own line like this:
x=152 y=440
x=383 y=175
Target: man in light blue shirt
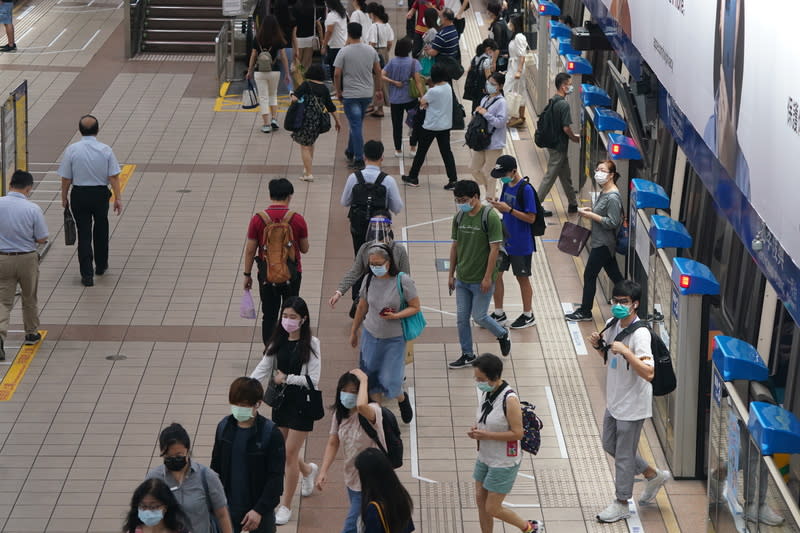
x=89 y=166
x=22 y=227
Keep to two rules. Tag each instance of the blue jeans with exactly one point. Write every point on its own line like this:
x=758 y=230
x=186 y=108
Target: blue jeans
x=354 y=110
x=289 y=55
x=471 y=301
x=351 y=522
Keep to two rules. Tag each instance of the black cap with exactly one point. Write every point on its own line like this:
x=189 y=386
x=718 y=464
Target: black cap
x=504 y=165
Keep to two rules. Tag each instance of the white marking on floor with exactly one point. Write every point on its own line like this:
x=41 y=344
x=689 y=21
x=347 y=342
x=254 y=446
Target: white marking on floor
x=634 y=522
x=574 y=331
x=520 y=474
x=404 y=230
x=514 y=134
x=551 y=402
x=412 y=437
x=478 y=18
x=26 y=32
x=25 y=13
x=433 y=309
x=85 y=46
x=517 y=505
x=57 y=37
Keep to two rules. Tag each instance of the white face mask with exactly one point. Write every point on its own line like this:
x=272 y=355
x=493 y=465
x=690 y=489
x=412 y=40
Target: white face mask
x=601 y=177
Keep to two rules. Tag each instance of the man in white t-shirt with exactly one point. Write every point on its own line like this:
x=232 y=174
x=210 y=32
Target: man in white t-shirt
x=629 y=399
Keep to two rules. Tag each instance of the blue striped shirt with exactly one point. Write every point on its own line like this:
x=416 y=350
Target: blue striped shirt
x=446 y=41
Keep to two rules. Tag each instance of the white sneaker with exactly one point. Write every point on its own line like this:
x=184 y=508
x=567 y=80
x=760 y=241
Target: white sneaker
x=651 y=486
x=614 y=512
x=282 y=515
x=398 y=153
x=307 y=483
x=763 y=514
x=307 y=177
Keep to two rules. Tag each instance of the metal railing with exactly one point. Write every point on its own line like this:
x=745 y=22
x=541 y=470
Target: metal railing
x=138 y=11
x=222 y=52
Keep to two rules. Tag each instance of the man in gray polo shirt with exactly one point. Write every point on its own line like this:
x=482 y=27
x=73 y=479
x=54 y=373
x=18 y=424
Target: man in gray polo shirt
x=356 y=77
x=22 y=227
x=89 y=166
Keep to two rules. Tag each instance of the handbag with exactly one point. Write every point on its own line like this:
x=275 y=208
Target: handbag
x=513 y=102
x=70 y=231
x=426 y=62
x=413 y=90
x=458 y=114
x=325 y=117
x=247 y=308
x=250 y=96
x=215 y=527
x=310 y=404
x=414 y=324
x=274 y=394
x=295 y=115
x=573 y=238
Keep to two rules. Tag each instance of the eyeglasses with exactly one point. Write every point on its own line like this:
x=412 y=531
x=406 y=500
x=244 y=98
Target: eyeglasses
x=621 y=301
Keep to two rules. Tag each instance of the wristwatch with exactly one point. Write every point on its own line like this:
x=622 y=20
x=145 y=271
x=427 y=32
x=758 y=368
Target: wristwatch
x=246 y=274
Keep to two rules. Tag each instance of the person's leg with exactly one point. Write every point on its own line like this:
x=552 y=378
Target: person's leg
x=289 y=51
x=425 y=140
x=357 y=127
x=565 y=176
x=526 y=291
x=392 y=368
x=100 y=230
x=260 y=78
x=307 y=154
x=627 y=462
x=609 y=434
x=463 y=311
x=612 y=267
x=273 y=79
x=352 y=111
x=491 y=183
x=330 y=57
x=554 y=159
x=8 y=289
x=494 y=507
x=397 y=111
x=480 y=308
x=27 y=267
x=443 y=139
x=270 y=307
x=499 y=292
x=476 y=168
x=294 y=441
x=81 y=210
x=485 y=520
x=597 y=258
x=305 y=56
x=354 y=513
x=10 y=35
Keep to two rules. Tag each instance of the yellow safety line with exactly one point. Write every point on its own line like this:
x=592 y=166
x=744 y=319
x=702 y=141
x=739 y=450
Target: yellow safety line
x=124 y=176
x=233 y=103
x=223 y=89
x=18 y=368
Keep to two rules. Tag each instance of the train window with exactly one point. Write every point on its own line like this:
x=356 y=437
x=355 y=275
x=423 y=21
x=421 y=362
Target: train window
x=697 y=214
x=785 y=348
x=664 y=155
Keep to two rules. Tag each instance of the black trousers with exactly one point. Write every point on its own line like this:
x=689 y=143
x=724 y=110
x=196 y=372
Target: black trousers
x=426 y=138
x=90 y=209
x=272 y=298
x=398 y=112
x=599 y=258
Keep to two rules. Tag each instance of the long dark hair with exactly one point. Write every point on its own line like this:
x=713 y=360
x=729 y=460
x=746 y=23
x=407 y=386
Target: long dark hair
x=430 y=16
x=379 y=11
x=340 y=411
x=270 y=33
x=380 y=484
x=174 y=518
x=336 y=5
x=519 y=26
x=280 y=335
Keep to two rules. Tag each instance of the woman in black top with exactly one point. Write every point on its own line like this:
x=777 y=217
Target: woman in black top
x=303 y=34
x=318 y=102
x=283 y=13
x=269 y=39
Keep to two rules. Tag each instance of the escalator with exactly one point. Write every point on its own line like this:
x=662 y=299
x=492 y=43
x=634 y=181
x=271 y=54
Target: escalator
x=182 y=26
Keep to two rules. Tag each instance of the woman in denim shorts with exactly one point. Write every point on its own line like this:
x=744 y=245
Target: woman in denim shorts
x=498 y=429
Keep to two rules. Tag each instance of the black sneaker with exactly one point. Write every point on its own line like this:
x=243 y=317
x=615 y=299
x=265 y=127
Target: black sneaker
x=100 y=271
x=572 y=209
x=2 y=350
x=450 y=186
x=349 y=155
x=33 y=338
x=464 y=361
x=500 y=319
x=8 y=48
x=523 y=321
x=547 y=213
x=411 y=182
x=358 y=164
x=505 y=343
x=87 y=281
x=406 y=412
x=580 y=315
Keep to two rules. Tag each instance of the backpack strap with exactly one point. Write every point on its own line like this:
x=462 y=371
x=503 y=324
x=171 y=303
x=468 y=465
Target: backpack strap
x=485 y=219
x=380 y=178
x=629 y=331
x=359 y=177
x=521 y=194
x=380 y=515
x=287 y=217
x=371 y=432
x=505 y=396
x=205 y=490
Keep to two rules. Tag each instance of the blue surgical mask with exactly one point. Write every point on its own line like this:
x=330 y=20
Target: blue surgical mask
x=348 y=399
x=506 y=179
x=620 y=311
x=242 y=414
x=484 y=386
x=570 y=89
x=465 y=207
x=151 y=518
x=491 y=88
x=379 y=270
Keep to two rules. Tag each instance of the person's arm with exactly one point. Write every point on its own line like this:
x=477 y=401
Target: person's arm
x=464 y=7
x=40 y=231
x=65 y=183
x=264 y=368
x=638 y=353
x=361 y=312
x=496 y=114
x=347 y=192
x=394 y=200
x=312 y=368
x=412 y=300
x=357 y=270
x=420 y=83
x=216 y=452
x=295 y=47
x=328 y=33
x=362 y=403
x=515 y=430
x=251 y=64
x=613 y=217
x=491 y=263
x=115 y=186
x=224 y=519
x=250 y=249
x=337 y=82
x=376 y=75
x=372 y=521
x=275 y=455
x=401 y=257
x=451 y=273
x=331 y=448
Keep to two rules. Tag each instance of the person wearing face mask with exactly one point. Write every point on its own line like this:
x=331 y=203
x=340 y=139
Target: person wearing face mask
x=497 y=430
x=517 y=48
x=382 y=345
x=249 y=455
x=557 y=160
x=606 y=217
x=629 y=399
x=197 y=489
x=350 y=407
x=154 y=509
x=293 y=358
x=493 y=108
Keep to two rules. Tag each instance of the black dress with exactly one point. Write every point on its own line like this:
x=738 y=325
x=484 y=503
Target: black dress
x=310 y=130
x=286 y=415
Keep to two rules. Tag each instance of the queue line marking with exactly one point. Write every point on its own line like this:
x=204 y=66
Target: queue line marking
x=18 y=368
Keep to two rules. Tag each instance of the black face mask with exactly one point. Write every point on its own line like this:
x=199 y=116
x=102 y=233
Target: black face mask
x=175 y=463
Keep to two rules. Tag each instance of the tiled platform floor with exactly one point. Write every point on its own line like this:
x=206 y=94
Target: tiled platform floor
x=80 y=430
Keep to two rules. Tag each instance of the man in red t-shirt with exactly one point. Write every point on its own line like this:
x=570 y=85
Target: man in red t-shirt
x=272 y=296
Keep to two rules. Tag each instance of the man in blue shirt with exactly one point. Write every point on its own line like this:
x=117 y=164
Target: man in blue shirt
x=520 y=244
x=22 y=227
x=89 y=166
x=445 y=46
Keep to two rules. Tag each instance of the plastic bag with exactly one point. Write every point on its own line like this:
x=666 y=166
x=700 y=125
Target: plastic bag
x=247 y=309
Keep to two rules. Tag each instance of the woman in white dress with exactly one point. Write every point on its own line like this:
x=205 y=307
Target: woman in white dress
x=515 y=76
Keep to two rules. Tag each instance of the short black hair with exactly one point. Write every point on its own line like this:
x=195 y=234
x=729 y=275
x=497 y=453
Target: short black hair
x=499 y=77
x=88 y=125
x=280 y=189
x=628 y=288
x=354 y=30
x=561 y=79
x=466 y=188
x=173 y=434
x=315 y=73
x=490 y=365
x=439 y=73
x=373 y=150
x=245 y=390
x=495 y=7
x=403 y=47
x=448 y=14
x=490 y=43
x=21 y=180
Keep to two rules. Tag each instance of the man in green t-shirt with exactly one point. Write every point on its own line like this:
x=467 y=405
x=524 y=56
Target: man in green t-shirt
x=477 y=234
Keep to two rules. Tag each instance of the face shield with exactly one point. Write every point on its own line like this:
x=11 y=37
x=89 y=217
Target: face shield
x=379 y=229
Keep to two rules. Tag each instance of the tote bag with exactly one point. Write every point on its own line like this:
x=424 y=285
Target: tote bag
x=414 y=324
x=573 y=238
x=250 y=96
x=311 y=402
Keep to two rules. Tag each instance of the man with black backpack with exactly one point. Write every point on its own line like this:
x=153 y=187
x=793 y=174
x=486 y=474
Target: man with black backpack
x=554 y=131
x=629 y=398
x=366 y=192
x=520 y=208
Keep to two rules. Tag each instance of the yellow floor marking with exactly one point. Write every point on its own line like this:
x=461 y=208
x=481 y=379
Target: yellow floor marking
x=124 y=176
x=223 y=89
x=18 y=368
x=233 y=103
